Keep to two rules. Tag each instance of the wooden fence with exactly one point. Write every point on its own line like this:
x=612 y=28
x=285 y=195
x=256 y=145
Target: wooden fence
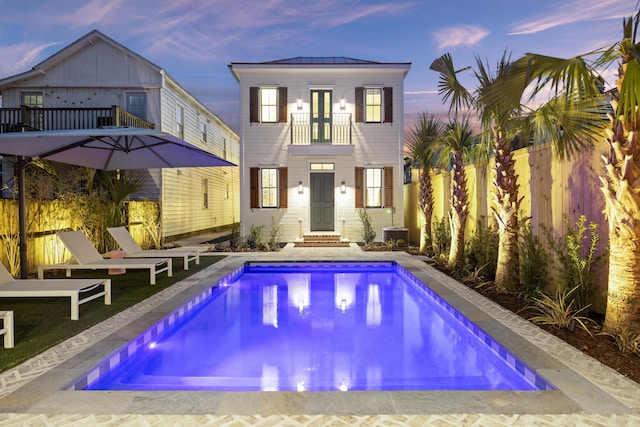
x=550 y=189
x=44 y=219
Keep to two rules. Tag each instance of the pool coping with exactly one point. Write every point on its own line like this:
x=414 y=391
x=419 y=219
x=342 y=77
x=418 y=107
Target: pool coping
x=584 y=386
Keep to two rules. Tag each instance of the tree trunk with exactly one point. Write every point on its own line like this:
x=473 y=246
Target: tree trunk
x=623 y=293
x=425 y=199
x=505 y=209
x=622 y=207
x=459 y=212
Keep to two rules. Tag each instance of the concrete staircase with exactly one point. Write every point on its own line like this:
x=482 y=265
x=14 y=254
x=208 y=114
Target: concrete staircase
x=324 y=239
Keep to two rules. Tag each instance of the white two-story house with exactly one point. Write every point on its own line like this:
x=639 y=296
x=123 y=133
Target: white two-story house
x=96 y=81
x=321 y=138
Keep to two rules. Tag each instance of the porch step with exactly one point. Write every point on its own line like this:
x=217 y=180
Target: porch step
x=321 y=240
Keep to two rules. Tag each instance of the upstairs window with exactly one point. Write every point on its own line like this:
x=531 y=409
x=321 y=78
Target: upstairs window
x=203 y=131
x=374 y=105
x=137 y=104
x=180 y=122
x=32 y=99
x=268 y=105
x=35 y=119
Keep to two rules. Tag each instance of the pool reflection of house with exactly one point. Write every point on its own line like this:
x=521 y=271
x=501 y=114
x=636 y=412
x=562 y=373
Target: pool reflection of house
x=96 y=82
x=322 y=137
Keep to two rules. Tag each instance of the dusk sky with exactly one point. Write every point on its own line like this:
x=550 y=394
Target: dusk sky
x=195 y=40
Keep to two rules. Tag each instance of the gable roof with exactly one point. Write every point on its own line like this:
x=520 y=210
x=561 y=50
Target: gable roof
x=64 y=53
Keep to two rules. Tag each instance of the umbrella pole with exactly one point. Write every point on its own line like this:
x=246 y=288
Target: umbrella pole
x=22 y=217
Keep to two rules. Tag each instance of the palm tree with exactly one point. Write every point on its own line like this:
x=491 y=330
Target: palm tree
x=502 y=124
x=454 y=149
x=577 y=112
x=421 y=139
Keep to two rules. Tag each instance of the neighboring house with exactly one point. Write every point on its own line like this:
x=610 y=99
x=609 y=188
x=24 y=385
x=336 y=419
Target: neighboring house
x=96 y=82
x=322 y=138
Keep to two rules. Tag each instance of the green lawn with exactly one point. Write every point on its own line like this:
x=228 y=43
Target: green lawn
x=41 y=323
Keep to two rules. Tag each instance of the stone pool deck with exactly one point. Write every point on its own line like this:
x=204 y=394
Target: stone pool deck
x=587 y=392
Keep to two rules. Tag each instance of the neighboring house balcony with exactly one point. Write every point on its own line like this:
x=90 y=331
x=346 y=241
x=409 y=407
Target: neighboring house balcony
x=321 y=134
x=24 y=118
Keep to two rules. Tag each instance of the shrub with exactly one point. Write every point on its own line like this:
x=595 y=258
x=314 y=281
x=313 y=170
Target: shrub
x=482 y=251
x=254 y=239
x=367 y=231
x=274 y=235
x=576 y=259
x=534 y=260
x=559 y=311
x=441 y=236
x=234 y=237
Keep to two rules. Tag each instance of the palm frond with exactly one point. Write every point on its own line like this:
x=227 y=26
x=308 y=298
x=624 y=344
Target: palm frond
x=421 y=137
x=629 y=97
x=449 y=87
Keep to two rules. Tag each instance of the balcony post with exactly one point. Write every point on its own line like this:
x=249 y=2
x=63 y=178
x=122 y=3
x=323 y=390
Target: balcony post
x=115 y=115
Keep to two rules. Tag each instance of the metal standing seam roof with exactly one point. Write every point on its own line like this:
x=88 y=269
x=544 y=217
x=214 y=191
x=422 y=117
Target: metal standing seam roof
x=321 y=60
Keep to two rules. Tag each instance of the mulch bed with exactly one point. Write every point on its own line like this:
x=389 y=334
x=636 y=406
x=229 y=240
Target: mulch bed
x=600 y=347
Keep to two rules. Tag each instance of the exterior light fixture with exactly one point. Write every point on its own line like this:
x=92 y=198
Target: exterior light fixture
x=300 y=189
x=342 y=104
x=299 y=103
x=343 y=188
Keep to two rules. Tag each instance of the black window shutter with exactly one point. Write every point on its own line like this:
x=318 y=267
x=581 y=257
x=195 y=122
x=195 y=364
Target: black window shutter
x=254 y=106
x=388 y=105
x=359 y=104
x=282 y=105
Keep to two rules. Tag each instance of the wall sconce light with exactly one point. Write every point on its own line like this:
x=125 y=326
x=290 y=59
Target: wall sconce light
x=343 y=188
x=343 y=104
x=299 y=103
x=300 y=189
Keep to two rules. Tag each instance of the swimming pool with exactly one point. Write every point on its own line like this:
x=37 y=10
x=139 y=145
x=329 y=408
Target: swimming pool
x=314 y=326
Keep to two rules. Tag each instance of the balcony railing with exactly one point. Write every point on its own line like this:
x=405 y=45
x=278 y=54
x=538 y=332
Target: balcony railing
x=307 y=130
x=32 y=118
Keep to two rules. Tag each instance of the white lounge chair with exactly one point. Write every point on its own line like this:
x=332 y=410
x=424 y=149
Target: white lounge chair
x=88 y=258
x=7 y=328
x=72 y=288
x=133 y=250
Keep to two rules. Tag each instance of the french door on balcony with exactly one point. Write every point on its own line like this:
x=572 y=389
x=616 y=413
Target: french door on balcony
x=320 y=116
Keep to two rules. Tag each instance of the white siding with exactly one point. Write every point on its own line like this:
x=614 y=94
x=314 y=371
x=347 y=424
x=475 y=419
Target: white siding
x=97 y=72
x=374 y=145
x=182 y=198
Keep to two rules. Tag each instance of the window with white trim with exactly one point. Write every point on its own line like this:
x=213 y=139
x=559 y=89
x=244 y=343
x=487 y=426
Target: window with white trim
x=180 y=122
x=373 y=187
x=269 y=187
x=203 y=131
x=205 y=193
x=268 y=105
x=137 y=104
x=373 y=105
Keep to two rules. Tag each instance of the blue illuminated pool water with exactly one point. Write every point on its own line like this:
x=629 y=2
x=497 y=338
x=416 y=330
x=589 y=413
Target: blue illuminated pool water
x=356 y=326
